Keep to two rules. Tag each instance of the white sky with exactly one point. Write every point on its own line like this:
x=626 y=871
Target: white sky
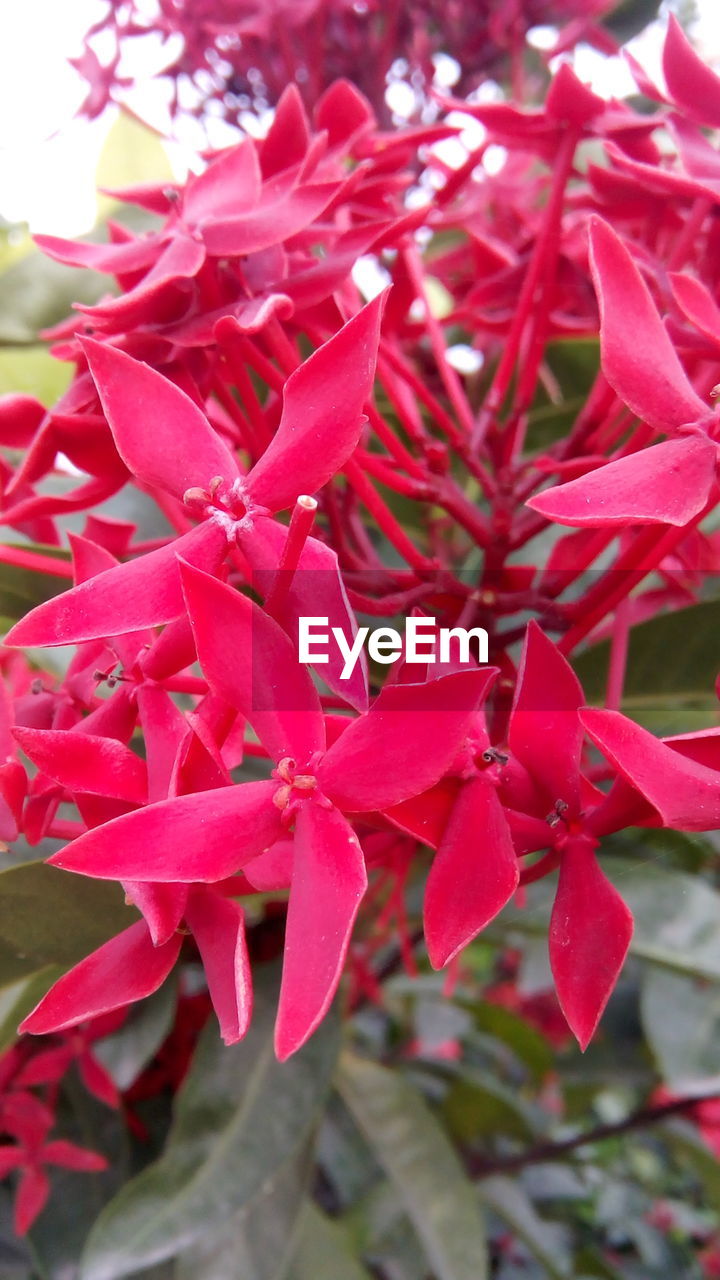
x=48 y=159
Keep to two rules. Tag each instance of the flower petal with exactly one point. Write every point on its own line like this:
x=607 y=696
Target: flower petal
x=545 y=730
x=669 y=483
x=144 y=592
x=322 y=413
x=161 y=435
x=474 y=873
x=638 y=358
x=405 y=743
x=202 y=837
x=86 y=762
x=685 y=793
x=218 y=926
x=123 y=970
x=590 y=932
x=329 y=880
x=248 y=659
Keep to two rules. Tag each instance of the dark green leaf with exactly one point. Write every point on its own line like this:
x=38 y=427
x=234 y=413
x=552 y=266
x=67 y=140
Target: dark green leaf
x=134 y=1045
x=671 y=668
x=546 y=1241
x=681 y=1019
x=322 y=1251
x=417 y=1156
x=50 y=917
x=242 y=1121
x=17 y=1000
x=479 y=1105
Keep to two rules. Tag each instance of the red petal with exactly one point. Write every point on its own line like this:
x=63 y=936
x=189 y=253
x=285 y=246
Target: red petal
x=200 y=838
x=179 y=260
x=161 y=435
x=123 y=970
x=142 y=593
x=71 y=1156
x=590 y=932
x=329 y=881
x=322 y=413
x=218 y=926
x=686 y=794
x=638 y=358
x=269 y=222
x=691 y=83
x=474 y=873
x=84 y=762
x=230 y=184
x=697 y=304
x=405 y=743
x=135 y=255
x=316 y=590
x=162 y=906
x=248 y=659
x=545 y=730
x=667 y=484
x=30 y=1198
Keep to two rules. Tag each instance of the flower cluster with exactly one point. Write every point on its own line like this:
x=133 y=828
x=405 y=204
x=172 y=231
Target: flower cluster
x=237 y=55
x=315 y=454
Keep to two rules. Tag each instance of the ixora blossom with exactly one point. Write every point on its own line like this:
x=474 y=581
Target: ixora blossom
x=404 y=744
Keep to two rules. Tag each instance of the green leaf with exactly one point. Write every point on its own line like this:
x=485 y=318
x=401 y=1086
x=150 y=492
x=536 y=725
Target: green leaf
x=630 y=17
x=681 y=1020
x=235 y=1152
x=689 y=1150
x=322 y=1251
x=259 y=1240
x=671 y=668
x=36 y=293
x=50 y=917
x=546 y=1241
x=17 y=1000
x=419 y=1159
x=516 y=1034
x=478 y=1105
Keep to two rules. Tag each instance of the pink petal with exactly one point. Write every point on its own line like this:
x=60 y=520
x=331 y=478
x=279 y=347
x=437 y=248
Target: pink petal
x=288 y=138
x=697 y=304
x=329 y=881
x=123 y=970
x=685 y=793
x=666 y=484
x=162 y=906
x=270 y=222
x=30 y=1198
x=405 y=743
x=474 y=873
x=322 y=413
x=71 y=1156
x=218 y=926
x=164 y=729
x=202 y=837
x=690 y=81
x=229 y=185
x=590 y=932
x=97 y=1079
x=85 y=762
x=134 y=255
x=316 y=590
x=161 y=435
x=638 y=358
x=545 y=730
x=180 y=260
x=141 y=593
x=249 y=661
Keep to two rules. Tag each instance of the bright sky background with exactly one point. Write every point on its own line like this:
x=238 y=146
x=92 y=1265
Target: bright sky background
x=48 y=159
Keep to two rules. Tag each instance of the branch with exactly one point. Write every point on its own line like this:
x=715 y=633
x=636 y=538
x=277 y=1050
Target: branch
x=481 y=1167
